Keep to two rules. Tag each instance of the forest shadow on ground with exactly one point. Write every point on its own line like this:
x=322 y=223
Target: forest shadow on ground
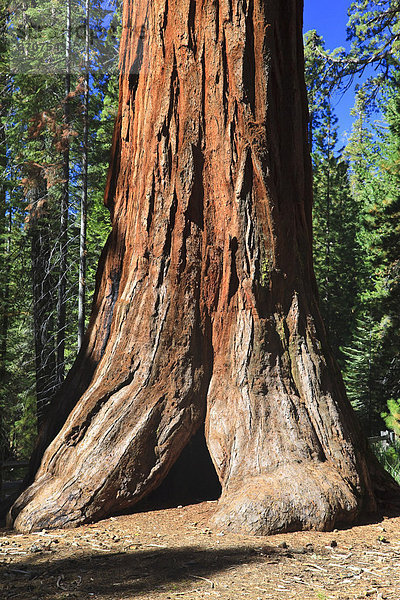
x=127 y=574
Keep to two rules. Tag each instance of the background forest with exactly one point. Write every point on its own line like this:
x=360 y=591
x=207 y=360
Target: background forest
x=58 y=100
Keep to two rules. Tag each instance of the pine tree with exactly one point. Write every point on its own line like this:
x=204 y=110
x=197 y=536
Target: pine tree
x=84 y=197
x=336 y=249
x=373 y=152
x=386 y=248
x=360 y=374
x=37 y=137
x=4 y=247
x=373 y=31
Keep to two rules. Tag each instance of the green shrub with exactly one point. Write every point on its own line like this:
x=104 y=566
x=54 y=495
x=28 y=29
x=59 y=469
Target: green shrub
x=392 y=418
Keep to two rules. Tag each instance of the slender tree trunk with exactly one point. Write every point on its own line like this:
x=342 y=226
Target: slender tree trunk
x=64 y=211
x=328 y=229
x=85 y=153
x=4 y=292
x=206 y=305
x=42 y=288
x=4 y=289
x=5 y=246
x=4 y=240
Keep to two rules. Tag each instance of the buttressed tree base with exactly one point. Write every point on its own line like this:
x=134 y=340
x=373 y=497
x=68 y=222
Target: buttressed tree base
x=206 y=304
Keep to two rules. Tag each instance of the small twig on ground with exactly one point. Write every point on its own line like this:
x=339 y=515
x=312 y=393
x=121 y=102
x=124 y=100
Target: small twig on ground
x=341 y=556
x=19 y=571
x=315 y=567
x=204 y=579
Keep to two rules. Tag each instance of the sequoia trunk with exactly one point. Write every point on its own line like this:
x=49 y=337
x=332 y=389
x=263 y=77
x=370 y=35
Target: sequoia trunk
x=206 y=303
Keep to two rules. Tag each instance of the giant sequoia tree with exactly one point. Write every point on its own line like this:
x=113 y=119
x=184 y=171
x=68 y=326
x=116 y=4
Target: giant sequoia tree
x=206 y=305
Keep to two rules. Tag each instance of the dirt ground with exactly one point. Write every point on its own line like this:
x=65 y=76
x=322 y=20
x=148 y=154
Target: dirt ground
x=172 y=555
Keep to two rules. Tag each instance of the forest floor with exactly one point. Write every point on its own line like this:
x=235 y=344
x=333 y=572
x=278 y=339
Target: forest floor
x=172 y=554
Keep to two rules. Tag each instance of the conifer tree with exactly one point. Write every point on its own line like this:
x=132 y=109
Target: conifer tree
x=33 y=175
x=4 y=276
x=374 y=156
x=386 y=222
x=336 y=249
x=373 y=30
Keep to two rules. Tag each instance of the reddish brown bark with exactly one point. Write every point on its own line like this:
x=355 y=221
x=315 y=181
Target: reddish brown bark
x=206 y=302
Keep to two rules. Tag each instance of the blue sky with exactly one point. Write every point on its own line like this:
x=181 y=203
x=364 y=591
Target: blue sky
x=329 y=18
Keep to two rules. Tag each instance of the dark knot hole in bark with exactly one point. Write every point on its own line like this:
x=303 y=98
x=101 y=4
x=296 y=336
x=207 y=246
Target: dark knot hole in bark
x=192 y=479
x=134 y=71
x=234 y=280
x=195 y=211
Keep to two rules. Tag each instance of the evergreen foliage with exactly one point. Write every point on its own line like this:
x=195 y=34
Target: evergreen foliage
x=336 y=247
x=392 y=418
x=374 y=156
x=34 y=139
x=356 y=205
x=373 y=29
